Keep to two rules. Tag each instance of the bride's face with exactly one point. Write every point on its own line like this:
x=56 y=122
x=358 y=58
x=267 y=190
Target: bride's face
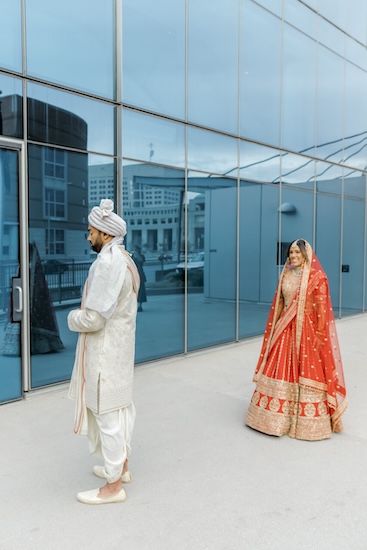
x=296 y=256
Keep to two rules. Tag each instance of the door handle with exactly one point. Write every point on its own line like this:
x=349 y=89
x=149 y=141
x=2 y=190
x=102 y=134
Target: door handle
x=20 y=308
x=17 y=300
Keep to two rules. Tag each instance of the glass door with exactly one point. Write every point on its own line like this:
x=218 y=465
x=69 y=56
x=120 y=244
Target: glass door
x=11 y=285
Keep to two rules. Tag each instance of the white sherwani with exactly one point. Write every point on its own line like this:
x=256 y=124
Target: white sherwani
x=102 y=378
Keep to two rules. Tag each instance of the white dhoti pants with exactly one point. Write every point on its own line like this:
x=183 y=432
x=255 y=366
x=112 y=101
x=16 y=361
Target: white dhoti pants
x=109 y=437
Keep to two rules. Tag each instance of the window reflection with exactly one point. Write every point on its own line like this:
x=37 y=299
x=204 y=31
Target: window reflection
x=59 y=254
x=297 y=222
x=272 y=5
x=10 y=35
x=301 y=17
x=258 y=163
x=328 y=220
x=73 y=51
x=355 y=145
x=11 y=111
x=10 y=354
x=260 y=74
x=258 y=235
x=330 y=107
x=256 y=200
x=356 y=52
x=312 y=4
x=69 y=120
x=148 y=138
x=354 y=184
x=154 y=55
x=212 y=201
x=352 y=256
x=213 y=64
x=299 y=91
x=356 y=20
x=335 y=11
x=298 y=171
x=153 y=199
x=211 y=259
x=328 y=178
x=329 y=188
x=101 y=179
x=331 y=37
x=212 y=153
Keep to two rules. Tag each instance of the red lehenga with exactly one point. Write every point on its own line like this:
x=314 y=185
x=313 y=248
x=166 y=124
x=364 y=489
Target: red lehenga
x=300 y=389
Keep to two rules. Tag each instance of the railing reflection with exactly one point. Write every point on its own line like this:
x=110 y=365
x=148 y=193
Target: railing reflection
x=65 y=279
x=8 y=270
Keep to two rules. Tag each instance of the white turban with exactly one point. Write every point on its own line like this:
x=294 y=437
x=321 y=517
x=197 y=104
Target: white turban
x=104 y=219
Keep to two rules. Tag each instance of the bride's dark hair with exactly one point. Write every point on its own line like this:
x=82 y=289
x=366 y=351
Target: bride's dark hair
x=302 y=246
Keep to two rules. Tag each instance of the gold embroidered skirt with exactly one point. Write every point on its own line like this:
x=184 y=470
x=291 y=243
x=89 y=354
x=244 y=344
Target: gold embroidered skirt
x=280 y=408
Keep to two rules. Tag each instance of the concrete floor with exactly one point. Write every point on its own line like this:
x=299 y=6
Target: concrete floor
x=202 y=480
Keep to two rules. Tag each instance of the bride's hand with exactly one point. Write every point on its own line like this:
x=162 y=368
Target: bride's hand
x=318 y=340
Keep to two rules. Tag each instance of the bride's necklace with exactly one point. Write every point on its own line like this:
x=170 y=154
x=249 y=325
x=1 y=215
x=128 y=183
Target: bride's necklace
x=297 y=271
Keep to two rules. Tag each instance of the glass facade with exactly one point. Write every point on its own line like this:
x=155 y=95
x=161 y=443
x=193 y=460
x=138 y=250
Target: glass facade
x=222 y=130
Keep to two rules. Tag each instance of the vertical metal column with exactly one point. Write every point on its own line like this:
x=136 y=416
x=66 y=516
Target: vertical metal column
x=238 y=236
x=24 y=220
x=118 y=93
x=185 y=202
x=364 y=246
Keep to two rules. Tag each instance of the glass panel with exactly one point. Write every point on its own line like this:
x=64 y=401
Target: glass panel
x=148 y=138
x=297 y=171
x=297 y=222
x=10 y=353
x=59 y=254
x=11 y=35
x=301 y=17
x=256 y=230
x=356 y=19
x=11 y=112
x=213 y=64
x=352 y=258
x=328 y=178
x=211 y=260
x=328 y=221
x=259 y=215
x=260 y=74
x=260 y=164
x=75 y=51
x=354 y=184
x=335 y=11
x=299 y=91
x=212 y=196
x=69 y=120
x=272 y=5
x=355 y=143
x=101 y=181
x=153 y=209
x=312 y=4
x=330 y=106
x=331 y=37
x=356 y=53
x=213 y=153
x=154 y=55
